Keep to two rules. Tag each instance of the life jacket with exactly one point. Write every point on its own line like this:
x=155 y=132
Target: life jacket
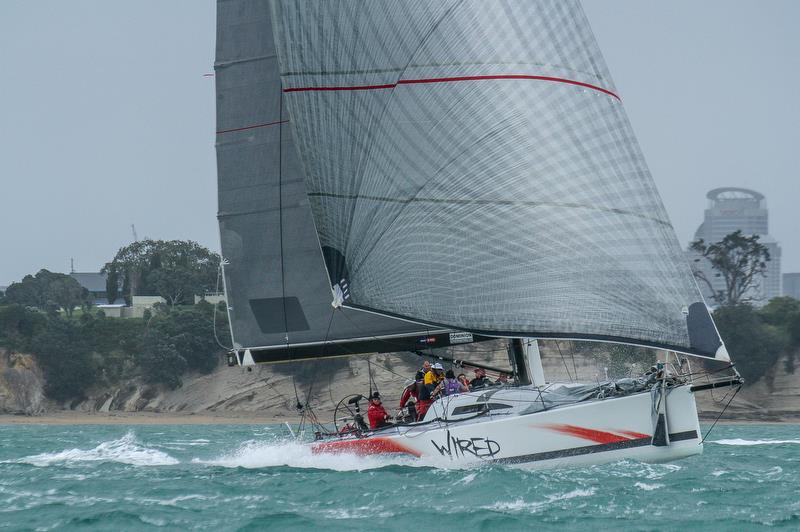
x=451 y=386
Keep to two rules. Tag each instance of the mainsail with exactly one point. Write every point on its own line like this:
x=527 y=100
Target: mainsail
x=278 y=290
x=469 y=165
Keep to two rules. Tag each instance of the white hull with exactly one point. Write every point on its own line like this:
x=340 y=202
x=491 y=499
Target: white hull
x=589 y=432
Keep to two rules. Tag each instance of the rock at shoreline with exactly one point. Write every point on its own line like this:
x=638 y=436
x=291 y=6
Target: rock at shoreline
x=21 y=384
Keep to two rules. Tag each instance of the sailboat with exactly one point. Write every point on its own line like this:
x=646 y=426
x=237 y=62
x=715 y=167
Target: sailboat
x=400 y=175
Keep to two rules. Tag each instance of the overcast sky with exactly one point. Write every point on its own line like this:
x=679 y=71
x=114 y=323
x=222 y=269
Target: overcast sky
x=107 y=120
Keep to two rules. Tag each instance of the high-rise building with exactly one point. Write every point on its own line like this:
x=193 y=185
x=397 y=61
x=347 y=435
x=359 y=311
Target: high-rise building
x=791 y=285
x=739 y=209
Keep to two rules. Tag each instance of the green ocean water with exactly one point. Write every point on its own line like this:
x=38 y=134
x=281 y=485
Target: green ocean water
x=248 y=478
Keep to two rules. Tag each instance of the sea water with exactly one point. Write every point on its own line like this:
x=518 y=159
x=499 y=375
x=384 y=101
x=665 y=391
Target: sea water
x=214 y=477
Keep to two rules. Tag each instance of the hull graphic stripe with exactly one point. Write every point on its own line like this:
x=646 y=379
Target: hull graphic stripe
x=365 y=446
x=575 y=451
x=598 y=436
x=687 y=435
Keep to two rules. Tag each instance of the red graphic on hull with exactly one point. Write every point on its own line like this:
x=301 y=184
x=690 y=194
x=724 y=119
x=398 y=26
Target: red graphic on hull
x=598 y=436
x=364 y=446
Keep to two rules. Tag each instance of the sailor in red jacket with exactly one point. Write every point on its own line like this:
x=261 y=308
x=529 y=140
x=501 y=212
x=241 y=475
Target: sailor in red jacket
x=378 y=417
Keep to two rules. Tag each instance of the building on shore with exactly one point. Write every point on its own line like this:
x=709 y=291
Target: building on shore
x=791 y=285
x=95 y=283
x=733 y=209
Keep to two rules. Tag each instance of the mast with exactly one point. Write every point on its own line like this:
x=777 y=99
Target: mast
x=519 y=360
x=534 y=361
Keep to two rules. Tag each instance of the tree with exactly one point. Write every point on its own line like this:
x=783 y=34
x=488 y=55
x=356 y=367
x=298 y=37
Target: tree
x=784 y=313
x=46 y=290
x=191 y=332
x=741 y=262
x=66 y=292
x=18 y=326
x=65 y=359
x=175 y=269
x=160 y=361
x=112 y=283
x=753 y=344
x=780 y=310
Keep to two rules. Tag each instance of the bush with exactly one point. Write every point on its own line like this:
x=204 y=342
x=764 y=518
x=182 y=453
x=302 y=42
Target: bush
x=19 y=325
x=754 y=345
x=65 y=359
x=159 y=360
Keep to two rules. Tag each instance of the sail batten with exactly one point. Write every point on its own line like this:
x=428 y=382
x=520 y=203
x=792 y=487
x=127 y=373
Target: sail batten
x=452 y=186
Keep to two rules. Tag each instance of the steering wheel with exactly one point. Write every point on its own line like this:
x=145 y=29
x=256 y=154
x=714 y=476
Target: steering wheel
x=349 y=409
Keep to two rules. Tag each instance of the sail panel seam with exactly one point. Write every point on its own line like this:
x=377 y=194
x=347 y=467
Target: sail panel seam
x=489 y=202
x=255 y=126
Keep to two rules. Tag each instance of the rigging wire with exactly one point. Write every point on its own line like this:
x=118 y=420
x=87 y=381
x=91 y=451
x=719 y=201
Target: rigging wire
x=572 y=354
x=721 y=413
x=564 y=361
x=219 y=274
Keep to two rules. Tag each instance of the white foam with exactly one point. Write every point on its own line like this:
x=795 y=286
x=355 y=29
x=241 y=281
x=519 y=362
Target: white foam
x=648 y=487
x=519 y=505
x=125 y=450
x=254 y=454
x=467 y=479
x=571 y=495
x=739 y=441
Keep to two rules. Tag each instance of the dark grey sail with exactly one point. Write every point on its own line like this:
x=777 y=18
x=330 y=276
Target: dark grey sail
x=278 y=289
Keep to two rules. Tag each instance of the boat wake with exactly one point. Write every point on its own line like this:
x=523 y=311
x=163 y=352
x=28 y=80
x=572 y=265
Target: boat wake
x=258 y=454
x=739 y=441
x=125 y=450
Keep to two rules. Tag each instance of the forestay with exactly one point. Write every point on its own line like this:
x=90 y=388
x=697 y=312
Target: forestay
x=470 y=164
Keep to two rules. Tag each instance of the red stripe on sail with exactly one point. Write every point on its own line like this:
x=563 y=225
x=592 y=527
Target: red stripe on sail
x=364 y=446
x=454 y=79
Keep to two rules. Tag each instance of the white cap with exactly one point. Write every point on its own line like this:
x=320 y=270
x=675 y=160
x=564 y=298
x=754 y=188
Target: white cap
x=437 y=366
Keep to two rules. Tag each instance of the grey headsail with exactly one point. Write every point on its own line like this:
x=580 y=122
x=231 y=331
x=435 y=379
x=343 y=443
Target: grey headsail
x=470 y=165
x=278 y=289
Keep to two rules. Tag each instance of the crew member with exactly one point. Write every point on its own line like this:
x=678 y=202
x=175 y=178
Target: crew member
x=378 y=417
x=480 y=380
x=410 y=391
x=434 y=376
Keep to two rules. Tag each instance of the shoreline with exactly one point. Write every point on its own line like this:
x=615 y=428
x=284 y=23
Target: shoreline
x=145 y=418
x=66 y=417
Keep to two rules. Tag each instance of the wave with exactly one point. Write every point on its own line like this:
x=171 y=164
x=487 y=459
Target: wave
x=254 y=454
x=125 y=450
x=739 y=441
x=521 y=505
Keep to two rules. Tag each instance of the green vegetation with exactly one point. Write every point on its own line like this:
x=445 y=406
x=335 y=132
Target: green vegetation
x=80 y=352
x=739 y=260
x=77 y=350
x=756 y=339
x=48 y=291
x=176 y=270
